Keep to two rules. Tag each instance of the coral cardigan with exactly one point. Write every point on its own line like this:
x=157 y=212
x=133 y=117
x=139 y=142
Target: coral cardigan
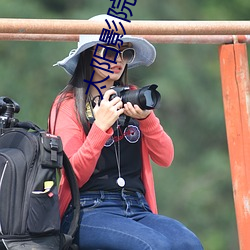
x=84 y=151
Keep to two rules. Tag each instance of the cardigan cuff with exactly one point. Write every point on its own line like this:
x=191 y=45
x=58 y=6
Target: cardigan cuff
x=149 y=122
x=97 y=136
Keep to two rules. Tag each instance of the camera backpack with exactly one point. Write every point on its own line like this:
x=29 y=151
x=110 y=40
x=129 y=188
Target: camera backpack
x=29 y=207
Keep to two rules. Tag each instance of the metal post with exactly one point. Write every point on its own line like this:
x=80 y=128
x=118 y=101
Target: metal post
x=236 y=97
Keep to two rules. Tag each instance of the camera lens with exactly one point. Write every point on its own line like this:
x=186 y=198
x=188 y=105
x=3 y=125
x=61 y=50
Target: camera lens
x=146 y=98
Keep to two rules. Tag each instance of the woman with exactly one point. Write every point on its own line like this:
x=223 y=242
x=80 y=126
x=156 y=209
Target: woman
x=109 y=144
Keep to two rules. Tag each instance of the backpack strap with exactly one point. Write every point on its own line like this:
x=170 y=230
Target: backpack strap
x=66 y=242
x=75 y=194
x=28 y=125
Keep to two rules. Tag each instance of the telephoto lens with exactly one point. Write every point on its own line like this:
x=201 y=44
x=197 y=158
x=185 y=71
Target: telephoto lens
x=146 y=97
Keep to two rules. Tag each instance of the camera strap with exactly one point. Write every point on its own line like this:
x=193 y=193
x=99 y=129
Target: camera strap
x=120 y=181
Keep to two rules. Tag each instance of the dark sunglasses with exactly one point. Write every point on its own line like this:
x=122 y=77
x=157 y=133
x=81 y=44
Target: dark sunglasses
x=127 y=55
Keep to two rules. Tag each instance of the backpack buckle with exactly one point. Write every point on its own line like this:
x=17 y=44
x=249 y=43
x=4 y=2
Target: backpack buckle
x=53 y=144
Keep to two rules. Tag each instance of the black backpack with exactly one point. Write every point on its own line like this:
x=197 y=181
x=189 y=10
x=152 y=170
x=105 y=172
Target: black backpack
x=29 y=208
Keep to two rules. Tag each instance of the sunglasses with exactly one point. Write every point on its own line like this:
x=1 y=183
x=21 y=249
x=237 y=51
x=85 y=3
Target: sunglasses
x=111 y=53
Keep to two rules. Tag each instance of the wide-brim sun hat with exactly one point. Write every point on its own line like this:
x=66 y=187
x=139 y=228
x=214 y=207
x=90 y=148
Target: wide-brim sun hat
x=145 y=53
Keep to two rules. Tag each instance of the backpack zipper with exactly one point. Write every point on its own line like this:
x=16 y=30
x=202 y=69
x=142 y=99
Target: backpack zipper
x=1 y=181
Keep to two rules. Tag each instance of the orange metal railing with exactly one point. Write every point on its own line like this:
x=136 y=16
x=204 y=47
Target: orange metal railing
x=53 y=26
x=232 y=36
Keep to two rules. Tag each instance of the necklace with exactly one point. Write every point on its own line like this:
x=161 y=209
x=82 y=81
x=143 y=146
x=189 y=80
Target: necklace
x=120 y=181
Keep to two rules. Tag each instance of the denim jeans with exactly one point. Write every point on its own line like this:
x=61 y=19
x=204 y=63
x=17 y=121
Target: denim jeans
x=124 y=221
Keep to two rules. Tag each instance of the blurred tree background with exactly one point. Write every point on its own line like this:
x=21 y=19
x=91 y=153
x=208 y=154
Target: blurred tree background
x=197 y=188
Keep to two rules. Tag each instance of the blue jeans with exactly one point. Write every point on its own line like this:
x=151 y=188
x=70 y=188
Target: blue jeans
x=124 y=221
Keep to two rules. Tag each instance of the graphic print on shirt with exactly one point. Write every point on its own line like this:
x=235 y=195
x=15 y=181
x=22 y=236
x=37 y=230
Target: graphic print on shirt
x=131 y=134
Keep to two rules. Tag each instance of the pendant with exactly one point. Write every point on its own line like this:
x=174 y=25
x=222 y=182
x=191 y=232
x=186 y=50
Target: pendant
x=120 y=182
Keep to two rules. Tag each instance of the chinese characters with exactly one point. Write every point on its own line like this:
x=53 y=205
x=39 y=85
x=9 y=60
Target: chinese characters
x=110 y=36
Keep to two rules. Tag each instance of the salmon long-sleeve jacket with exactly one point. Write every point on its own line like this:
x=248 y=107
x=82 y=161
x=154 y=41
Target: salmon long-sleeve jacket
x=84 y=151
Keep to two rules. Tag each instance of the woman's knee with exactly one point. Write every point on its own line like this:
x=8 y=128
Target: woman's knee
x=188 y=242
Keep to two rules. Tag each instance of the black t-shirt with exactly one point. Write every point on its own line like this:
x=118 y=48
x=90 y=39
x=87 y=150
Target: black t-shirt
x=128 y=139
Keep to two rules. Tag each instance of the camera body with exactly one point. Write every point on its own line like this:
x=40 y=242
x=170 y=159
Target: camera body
x=7 y=109
x=146 y=98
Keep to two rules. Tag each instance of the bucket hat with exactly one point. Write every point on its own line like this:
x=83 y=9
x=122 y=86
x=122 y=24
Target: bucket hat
x=145 y=53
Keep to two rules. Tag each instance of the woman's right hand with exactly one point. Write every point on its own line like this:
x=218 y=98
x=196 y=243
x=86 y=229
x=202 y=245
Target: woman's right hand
x=107 y=113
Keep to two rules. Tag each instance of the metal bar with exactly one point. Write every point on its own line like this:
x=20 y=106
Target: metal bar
x=49 y=26
x=38 y=37
x=236 y=99
x=198 y=39
x=164 y=39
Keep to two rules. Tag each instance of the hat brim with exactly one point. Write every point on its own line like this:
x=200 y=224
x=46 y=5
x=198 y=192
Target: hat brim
x=145 y=53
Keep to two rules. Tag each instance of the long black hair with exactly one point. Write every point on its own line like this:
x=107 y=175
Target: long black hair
x=77 y=87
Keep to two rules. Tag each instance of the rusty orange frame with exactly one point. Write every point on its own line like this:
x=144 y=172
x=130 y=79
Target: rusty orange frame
x=232 y=37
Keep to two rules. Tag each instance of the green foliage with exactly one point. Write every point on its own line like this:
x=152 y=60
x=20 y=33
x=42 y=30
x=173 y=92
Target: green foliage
x=197 y=188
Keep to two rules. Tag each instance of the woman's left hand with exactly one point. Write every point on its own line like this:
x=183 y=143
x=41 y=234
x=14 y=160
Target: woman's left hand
x=135 y=111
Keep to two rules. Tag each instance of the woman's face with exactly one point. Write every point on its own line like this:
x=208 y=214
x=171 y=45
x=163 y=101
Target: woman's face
x=116 y=66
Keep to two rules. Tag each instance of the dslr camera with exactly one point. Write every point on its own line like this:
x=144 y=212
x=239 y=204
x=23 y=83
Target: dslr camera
x=146 y=98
